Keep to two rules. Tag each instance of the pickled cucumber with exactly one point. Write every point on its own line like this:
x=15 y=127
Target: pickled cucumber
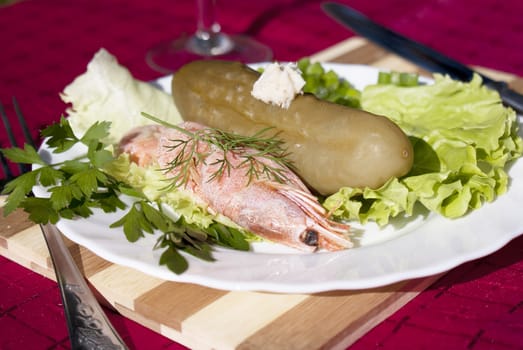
x=331 y=145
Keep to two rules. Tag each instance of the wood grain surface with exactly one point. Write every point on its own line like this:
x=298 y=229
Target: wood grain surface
x=205 y=318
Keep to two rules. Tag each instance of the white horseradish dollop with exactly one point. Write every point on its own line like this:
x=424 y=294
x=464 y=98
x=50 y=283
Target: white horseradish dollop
x=278 y=84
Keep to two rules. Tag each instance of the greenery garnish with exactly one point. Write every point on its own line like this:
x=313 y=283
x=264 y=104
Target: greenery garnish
x=80 y=185
x=327 y=85
x=271 y=149
x=398 y=78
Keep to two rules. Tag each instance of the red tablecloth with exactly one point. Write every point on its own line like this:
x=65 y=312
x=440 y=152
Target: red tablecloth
x=45 y=44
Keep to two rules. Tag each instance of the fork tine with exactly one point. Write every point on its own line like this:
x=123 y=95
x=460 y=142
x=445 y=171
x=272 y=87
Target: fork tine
x=11 y=136
x=7 y=126
x=25 y=130
x=23 y=123
x=6 y=169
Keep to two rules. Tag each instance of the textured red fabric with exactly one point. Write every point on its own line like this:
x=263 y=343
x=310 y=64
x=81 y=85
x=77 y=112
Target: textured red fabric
x=45 y=44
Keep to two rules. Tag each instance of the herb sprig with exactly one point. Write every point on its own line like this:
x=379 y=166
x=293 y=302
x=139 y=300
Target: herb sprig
x=266 y=155
x=79 y=186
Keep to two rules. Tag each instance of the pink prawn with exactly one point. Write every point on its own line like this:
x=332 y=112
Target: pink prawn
x=286 y=213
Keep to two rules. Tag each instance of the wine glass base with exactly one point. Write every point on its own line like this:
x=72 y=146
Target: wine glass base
x=170 y=56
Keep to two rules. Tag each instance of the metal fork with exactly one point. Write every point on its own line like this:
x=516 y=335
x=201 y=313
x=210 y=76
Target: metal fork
x=87 y=323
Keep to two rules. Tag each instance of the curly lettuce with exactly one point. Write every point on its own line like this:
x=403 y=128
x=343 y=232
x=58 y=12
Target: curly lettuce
x=463 y=138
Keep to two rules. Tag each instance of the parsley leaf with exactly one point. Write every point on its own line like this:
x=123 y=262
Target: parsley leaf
x=74 y=166
x=86 y=181
x=109 y=201
x=60 y=136
x=132 y=224
x=96 y=132
x=99 y=158
x=61 y=196
x=27 y=155
x=50 y=176
x=18 y=189
x=174 y=261
x=229 y=237
x=40 y=211
x=79 y=185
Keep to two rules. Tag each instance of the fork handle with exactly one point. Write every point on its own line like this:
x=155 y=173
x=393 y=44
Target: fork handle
x=88 y=325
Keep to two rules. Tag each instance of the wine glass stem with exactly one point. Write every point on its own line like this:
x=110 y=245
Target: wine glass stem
x=208 y=39
x=207 y=24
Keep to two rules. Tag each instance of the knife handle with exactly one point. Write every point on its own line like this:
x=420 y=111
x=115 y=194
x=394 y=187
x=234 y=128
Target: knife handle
x=509 y=97
x=512 y=99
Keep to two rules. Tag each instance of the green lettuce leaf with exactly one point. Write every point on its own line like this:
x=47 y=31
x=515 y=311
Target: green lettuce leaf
x=463 y=137
x=152 y=183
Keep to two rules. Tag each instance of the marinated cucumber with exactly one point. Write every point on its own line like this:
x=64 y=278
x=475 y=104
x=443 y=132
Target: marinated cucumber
x=331 y=145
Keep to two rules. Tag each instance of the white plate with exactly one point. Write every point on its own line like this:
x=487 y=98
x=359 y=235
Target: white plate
x=418 y=247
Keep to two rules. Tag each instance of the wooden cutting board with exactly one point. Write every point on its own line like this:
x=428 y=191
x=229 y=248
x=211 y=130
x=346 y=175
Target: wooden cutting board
x=205 y=318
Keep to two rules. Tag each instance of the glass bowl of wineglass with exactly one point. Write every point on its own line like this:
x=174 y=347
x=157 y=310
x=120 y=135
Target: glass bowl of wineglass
x=208 y=42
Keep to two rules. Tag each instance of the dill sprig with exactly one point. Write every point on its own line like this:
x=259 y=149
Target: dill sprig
x=261 y=155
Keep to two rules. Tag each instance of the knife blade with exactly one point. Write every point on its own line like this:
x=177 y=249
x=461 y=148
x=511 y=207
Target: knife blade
x=416 y=52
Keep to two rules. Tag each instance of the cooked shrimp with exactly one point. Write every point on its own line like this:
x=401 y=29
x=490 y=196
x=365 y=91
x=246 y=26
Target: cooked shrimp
x=285 y=213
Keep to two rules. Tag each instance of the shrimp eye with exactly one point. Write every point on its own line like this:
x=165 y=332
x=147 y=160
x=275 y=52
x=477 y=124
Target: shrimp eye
x=310 y=237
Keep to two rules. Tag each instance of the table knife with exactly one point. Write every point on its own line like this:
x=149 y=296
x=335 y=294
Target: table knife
x=416 y=52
